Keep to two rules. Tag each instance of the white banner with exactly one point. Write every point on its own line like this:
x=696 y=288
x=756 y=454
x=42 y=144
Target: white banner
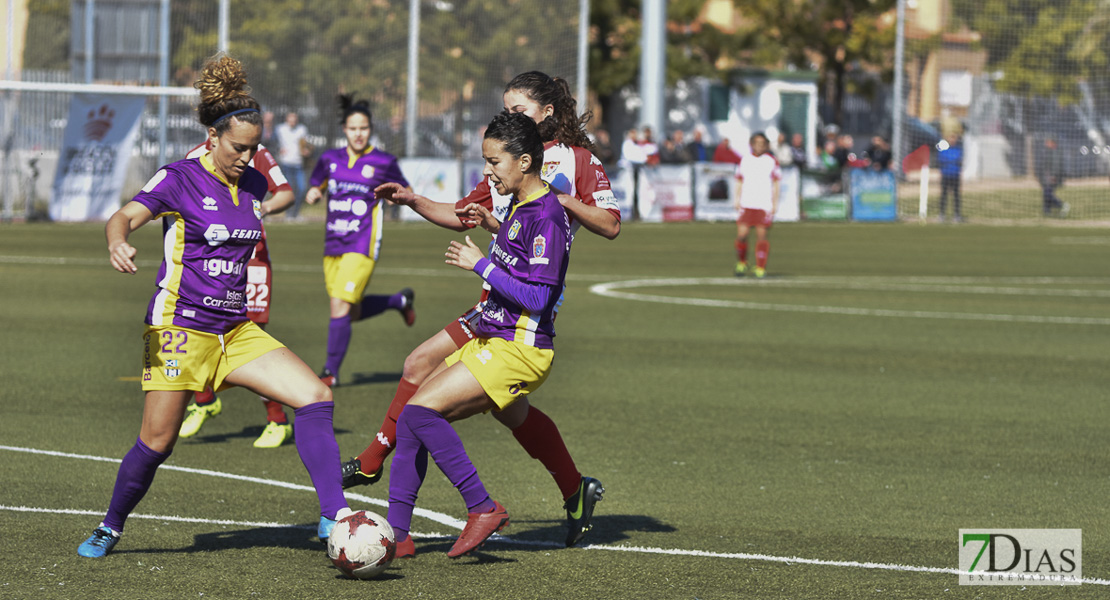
x=96 y=148
x=435 y=178
x=666 y=193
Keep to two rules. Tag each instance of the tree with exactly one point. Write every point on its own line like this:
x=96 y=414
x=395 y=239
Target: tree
x=833 y=36
x=1043 y=48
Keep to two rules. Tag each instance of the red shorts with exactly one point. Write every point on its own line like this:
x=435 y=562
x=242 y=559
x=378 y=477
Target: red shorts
x=754 y=217
x=461 y=330
x=259 y=279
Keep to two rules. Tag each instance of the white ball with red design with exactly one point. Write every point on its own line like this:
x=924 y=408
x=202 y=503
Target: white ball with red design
x=362 y=544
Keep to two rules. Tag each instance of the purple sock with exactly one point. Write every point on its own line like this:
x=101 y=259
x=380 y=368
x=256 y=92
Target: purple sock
x=339 y=337
x=443 y=443
x=136 y=472
x=406 y=475
x=315 y=439
x=376 y=305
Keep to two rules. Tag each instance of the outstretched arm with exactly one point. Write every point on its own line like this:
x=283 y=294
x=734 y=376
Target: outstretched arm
x=439 y=213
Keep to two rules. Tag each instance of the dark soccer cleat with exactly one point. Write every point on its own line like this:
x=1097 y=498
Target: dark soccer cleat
x=408 y=311
x=479 y=526
x=353 y=475
x=330 y=379
x=580 y=508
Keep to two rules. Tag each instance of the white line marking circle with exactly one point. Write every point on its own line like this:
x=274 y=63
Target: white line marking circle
x=616 y=289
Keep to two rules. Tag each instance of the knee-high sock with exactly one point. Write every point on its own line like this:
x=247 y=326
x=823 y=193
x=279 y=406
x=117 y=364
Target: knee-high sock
x=540 y=437
x=376 y=305
x=339 y=337
x=446 y=449
x=406 y=475
x=136 y=472
x=378 y=450
x=315 y=439
x=762 y=249
x=741 y=250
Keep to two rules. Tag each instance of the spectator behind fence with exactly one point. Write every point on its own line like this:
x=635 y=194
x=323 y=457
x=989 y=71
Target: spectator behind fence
x=293 y=148
x=950 y=158
x=650 y=148
x=674 y=150
x=1050 y=174
x=696 y=148
x=632 y=154
x=782 y=151
x=798 y=151
x=604 y=146
x=725 y=154
x=879 y=154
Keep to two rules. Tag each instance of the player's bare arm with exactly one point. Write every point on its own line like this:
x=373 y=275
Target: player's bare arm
x=313 y=195
x=596 y=220
x=476 y=215
x=132 y=216
x=278 y=202
x=439 y=213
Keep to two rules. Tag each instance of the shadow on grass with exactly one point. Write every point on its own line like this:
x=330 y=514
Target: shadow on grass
x=370 y=378
x=607 y=529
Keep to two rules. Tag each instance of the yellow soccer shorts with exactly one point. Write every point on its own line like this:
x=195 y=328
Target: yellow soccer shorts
x=347 y=275
x=506 y=370
x=175 y=358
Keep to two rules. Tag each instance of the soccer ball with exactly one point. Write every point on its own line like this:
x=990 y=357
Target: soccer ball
x=362 y=544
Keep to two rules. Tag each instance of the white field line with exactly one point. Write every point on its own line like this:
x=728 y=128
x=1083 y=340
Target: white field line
x=444 y=519
x=446 y=271
x=612 y=290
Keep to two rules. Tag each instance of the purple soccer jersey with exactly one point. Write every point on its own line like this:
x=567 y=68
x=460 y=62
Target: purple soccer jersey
x=354 y=215
x=209 y=232
x=534 y=247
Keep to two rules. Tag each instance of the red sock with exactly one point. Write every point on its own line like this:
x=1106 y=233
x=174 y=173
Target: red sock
x=275 y=412
x=742 y=250
x=205 y=397
x=382 y=446
x=540 y=437
x=761 y=251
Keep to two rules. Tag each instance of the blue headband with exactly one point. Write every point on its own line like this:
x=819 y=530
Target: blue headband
x=234 y=112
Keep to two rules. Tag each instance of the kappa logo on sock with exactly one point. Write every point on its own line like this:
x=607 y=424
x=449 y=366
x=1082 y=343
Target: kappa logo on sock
x=383 y=440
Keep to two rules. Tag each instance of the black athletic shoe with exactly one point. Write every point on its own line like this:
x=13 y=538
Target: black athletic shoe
x=353 y=475
x=408 y=311
x=580 y=508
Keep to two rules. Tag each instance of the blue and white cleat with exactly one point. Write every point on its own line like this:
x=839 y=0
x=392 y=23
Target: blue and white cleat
x=99 y=544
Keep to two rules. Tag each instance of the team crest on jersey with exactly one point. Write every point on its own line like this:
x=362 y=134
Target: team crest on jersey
x=539 y=249
x=257 y=206
x=548 y=169
x=368 y=171
x=514 y=230
x=209 y=203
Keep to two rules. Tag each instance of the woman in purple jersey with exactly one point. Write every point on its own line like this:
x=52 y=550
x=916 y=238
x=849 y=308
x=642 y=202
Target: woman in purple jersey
x=198 y=333
x=353 y=238
x=511 y=354
x=550 y=104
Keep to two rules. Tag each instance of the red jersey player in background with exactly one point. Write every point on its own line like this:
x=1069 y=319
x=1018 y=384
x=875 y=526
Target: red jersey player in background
x=259 y=278
x=578 y=177
x=757 y=199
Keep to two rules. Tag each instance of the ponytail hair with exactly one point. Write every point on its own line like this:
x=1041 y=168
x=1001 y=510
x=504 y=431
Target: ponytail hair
x=518 y=135
x=349 y=106
x=564 y=125
x=224 y=93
